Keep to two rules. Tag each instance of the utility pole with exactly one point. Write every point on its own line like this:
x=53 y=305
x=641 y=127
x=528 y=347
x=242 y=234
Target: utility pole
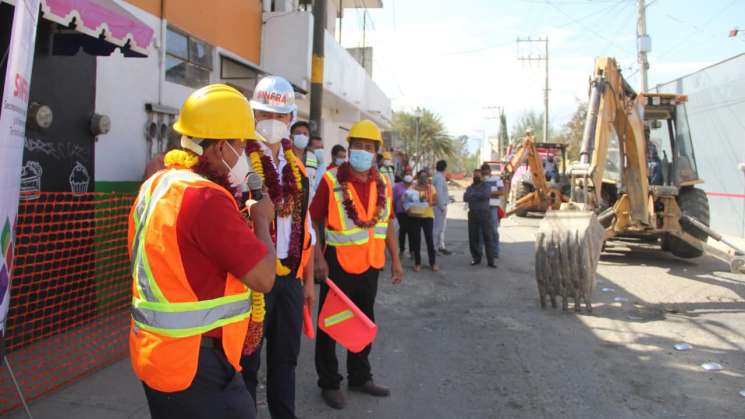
x=316 y=73
x=643 y=43
x=544 y=57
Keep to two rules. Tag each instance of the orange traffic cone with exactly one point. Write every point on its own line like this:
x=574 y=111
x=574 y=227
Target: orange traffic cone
x=344 y=321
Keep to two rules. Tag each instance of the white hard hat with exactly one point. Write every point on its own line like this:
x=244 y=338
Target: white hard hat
x=274 y=94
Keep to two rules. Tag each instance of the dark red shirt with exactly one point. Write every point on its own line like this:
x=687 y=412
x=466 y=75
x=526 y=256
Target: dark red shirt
x=319 y=208
x=214 y=239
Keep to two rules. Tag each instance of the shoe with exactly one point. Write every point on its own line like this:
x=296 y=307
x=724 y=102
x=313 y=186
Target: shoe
x=446 y=252
x=334 y=398
x=475 y=262
x=372 y=389
x=435 y=268
x=491 y=265
x=417 y=268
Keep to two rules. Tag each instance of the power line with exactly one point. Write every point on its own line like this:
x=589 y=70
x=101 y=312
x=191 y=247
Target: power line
x=593 y=31
x=685 y=40
x=589 y=15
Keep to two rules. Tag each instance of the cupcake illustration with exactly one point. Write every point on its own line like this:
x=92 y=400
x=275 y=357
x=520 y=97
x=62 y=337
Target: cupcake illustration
x=31 y=180
x=79 y=179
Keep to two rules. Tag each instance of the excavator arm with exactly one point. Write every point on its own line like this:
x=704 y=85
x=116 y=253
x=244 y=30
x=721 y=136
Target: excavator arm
x=543 y=196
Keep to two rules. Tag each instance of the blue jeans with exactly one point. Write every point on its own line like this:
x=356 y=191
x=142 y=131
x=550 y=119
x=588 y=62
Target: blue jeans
x=494 y=221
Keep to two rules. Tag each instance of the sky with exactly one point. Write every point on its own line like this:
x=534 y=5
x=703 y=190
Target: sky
x=460 y=58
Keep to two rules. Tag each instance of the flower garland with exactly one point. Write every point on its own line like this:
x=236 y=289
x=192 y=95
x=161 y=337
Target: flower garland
x=256 y=324
x=343 y=175
x=286 y=196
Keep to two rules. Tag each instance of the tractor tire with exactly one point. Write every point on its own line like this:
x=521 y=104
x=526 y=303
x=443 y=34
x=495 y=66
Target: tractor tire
x=694 y=203
x=521 y=190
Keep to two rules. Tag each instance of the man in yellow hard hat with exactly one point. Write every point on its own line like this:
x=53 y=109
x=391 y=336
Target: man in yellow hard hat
x=195 y=262
x=353 y=209
x=386 y=167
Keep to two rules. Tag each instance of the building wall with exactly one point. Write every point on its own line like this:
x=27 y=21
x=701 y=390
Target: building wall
x=716 y=114
x=232 y=24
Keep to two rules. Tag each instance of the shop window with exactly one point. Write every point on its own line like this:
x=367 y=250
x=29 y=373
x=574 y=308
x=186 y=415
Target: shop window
x=188 y=60
x=238 y=75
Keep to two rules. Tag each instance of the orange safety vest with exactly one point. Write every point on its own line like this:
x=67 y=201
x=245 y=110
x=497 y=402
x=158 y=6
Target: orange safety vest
x=168 y=319
x=357 y=249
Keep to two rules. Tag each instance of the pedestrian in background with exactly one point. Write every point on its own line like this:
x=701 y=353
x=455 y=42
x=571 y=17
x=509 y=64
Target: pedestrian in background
x=477 y=197
x=404 y=224
x=300 y=136
x=386 y=167
x=495 y=203
x=421 y=200
x=441 y=206
x=338 y=156
x=316 y=147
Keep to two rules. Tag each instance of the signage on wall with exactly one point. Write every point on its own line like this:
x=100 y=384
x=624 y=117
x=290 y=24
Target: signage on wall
x=12 y=132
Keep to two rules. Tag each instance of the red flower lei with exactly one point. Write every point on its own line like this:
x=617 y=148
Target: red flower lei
x=286 y=196
x=343 y=174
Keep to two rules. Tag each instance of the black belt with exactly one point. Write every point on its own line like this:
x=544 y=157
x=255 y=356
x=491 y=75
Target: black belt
x=210 y=342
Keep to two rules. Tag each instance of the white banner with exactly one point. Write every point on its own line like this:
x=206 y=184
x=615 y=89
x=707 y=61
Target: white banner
x=20 y=59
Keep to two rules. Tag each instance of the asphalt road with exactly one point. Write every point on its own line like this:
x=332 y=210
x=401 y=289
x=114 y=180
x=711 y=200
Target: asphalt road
x=471 y=342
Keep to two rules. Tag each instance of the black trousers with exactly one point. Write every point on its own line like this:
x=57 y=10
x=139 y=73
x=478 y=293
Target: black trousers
x=404 y=229
x=361 y=289
x=283 y=326
x=421 y=225
x=479 y=225
x=217 y=391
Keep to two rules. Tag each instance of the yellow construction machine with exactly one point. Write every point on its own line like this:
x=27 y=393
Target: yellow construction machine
x=611 y=195
x=538 y=195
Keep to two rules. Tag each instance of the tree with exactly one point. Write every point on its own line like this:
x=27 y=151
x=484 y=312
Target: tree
x=433 y=143
x=571 y=132
x=504 y=137
x=462 y=161
x=529 y=119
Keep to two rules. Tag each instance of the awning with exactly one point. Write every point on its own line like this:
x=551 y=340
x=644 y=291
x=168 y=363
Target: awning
x=103 y=20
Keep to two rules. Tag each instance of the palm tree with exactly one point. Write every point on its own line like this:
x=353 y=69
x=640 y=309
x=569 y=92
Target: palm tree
x=433 y=142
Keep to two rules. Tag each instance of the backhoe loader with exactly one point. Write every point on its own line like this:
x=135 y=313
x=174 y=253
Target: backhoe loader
x=540 y=195
x=611 y=195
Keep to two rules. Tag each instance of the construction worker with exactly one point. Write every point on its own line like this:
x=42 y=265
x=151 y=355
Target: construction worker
x=316 y=147
x=353 y=208
x=195 y=261
x=386 y=167
x=300 y=132
x=338 y=156
x=289 y=189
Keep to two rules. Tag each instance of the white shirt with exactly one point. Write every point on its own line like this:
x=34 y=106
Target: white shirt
x=284 y=224
x=497 y=184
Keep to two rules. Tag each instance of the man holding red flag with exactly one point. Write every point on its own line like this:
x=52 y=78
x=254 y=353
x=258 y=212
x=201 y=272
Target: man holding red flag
x=353 y=208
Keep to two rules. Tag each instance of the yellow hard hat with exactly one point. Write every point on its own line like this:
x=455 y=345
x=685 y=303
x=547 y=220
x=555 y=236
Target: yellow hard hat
x=216 y=112
x=366 y=130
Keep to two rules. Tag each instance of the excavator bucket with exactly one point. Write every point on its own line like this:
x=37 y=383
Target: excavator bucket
x=568 y=245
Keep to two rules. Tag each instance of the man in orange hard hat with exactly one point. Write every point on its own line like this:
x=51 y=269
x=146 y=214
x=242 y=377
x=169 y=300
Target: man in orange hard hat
x=195 y=262
x=353 y=209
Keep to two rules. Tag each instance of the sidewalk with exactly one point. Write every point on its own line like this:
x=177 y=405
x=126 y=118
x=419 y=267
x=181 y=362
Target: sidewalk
x=112 y=393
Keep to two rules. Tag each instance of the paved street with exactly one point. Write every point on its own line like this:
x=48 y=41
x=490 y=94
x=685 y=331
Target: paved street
x=472 y=343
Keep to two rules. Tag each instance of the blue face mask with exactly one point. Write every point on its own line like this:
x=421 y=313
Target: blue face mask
x=339 y=162
x=300 y=141
x=361 y=160
x=319 y=155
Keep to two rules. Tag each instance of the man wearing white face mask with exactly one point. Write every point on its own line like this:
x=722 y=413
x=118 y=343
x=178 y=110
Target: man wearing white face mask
x=300 y=134
x=289 y=188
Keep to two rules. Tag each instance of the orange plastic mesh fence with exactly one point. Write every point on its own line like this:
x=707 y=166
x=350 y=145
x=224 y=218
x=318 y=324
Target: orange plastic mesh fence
x=70 y=293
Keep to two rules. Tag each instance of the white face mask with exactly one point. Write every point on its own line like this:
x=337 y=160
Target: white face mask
x=273 y=130
x=300 y=141
x=319 y=155
x=239 y=171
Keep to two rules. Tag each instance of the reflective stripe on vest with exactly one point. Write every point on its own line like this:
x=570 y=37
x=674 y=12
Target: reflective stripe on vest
x=350 y=234
x=152 y=311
